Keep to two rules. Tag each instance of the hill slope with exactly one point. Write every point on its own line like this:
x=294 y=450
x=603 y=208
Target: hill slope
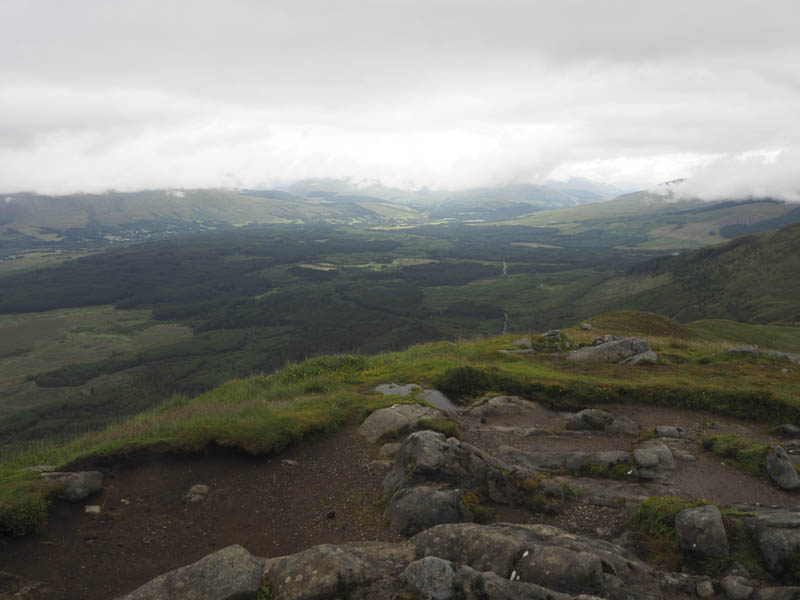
x=754 y=278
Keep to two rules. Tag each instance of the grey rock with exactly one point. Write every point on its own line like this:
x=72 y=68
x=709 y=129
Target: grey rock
x=429 y=457
x=523 y=343
x=229 y=574
x=431 y=578
x=75 y=486
x=785 y=370
x=586 y=327
x=603 y=339
x=700 y=531
x=744 y=350
x=413 y=509
x=396 y=420
x=562 y=569
x=623 y=426
x=795 y=358
x=781 y=468
x=610 y=352
x=554 y=460
x=789 y=430
x=197 y=493
x=645 y=458
x=393 y=389
x=389 y=449
x=648 y=355
x=669 y=431
x=777 y=535
x=591 y=419
x=736 y=587
x=499 y=406
x=553 y=334
x=92 y=509
x=705 y=589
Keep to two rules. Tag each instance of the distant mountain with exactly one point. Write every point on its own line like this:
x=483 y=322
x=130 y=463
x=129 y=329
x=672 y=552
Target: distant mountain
x=753 y=279
x=657 y=221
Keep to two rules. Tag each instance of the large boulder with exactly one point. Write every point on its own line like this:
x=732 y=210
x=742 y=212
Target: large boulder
x=429 y=457
x=327 y=571
x=75 y=486
x=591 y=419
x=777 y=535
x=413 y=509
x=653 y=459
x=229 y=574
x=396 y=420
x=700 y=532
x=781 y=468
x=613 y=351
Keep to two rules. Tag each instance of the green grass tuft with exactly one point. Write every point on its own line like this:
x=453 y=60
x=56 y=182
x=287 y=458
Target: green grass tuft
x=747 y=455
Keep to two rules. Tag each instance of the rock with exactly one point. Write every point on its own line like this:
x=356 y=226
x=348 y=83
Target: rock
x=429 y=457
x=561 y=569
x=705 y=589
x=645 y=458
x=777 y=593
x=736 y=587
x=523 y=343
x=92 y=509
x=413 y=509
x=396 y=420
x=553 y=334
x=229 y=574
x=197 y=493
x=649 y=355
x=325 y=571
x=777 y=535
x=789 y=430
x=744 y=350
x=668 y=431
x=393 y=389
x=785 y=370
x=75 y=486
x=431 y=578
x=499 y=406
x=623 y=426
x=389 y=449
x=555 y=460
x=610 y=352
x=590 y=418
x=700 y=531
x=604 y=339
x=586 y=327
x=781 y=468
x=795 y=358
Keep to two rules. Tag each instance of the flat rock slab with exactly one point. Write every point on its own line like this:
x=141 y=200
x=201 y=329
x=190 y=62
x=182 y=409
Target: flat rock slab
x=75 y=486
x=396 y=420
x=610 y=352
x=229 y=574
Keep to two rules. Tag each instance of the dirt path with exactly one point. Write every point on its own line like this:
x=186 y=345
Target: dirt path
x=318 y=492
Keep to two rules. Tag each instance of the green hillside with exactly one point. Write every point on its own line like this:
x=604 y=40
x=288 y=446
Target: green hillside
x=753 y=279
x=264 y=413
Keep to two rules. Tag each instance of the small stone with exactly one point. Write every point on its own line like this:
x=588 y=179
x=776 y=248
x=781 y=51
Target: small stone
x=289 y=462
x=331 y=514
x=669 y=431
x=92 y=509
x=586 y=327
x=554 y=334
x=705 y=589
x=781 y=469
x=75 y=486
x=736 y=587
x=197 y=493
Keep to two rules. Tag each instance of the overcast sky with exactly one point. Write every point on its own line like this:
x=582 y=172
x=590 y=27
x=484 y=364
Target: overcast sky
x=439 y=93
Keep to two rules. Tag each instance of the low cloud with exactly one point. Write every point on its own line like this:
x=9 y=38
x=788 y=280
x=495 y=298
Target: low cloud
x=765 y=174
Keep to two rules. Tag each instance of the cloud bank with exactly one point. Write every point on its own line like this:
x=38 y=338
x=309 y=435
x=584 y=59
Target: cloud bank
x=440 y=93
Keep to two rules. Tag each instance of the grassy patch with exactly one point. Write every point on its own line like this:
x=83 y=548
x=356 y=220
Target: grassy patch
x=480 y=513
x=617 y=471
x=747 y=455
x=445 y=426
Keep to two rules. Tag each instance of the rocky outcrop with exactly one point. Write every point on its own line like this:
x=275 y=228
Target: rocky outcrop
x=429 y=457
x=229 y=574
x=396 y=420
x=75 y=486
x=777 y=535
x=411 y=510
x=781 y=469
x=557 y=460
x=627 y=350
x=700 y=532
x=590 y=418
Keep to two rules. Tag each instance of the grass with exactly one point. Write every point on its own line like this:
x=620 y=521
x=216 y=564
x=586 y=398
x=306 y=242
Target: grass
x=747 y=456
x=265 y=413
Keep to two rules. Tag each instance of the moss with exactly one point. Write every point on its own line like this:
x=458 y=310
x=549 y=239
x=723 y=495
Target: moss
x=480 y=513
x=445 y=426
x=616 y=471
x=265 y=589
x=748 y=456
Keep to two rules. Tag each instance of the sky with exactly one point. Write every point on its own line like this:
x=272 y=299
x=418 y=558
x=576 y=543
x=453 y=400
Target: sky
x=98 y=95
